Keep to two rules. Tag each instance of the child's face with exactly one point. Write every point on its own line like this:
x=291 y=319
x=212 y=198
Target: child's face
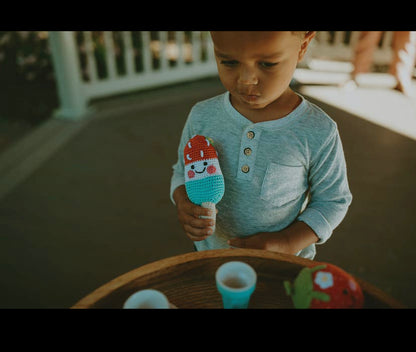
x=257 y=67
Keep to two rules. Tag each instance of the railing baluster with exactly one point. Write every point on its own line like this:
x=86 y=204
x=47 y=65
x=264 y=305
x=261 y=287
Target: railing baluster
x=339 y=38
x=163 y=41
x=147 y=58
x=89 y=49
x=387 y=40
x=129 y=53
x=180 y=41
x=110 y=56
x=196 y=47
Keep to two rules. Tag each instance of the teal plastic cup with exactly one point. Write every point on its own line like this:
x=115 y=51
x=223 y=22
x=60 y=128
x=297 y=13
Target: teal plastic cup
x=236 y=281
x=147 y=299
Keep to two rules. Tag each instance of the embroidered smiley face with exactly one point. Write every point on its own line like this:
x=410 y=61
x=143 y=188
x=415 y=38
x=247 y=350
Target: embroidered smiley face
x=201 y=159
x=201 y=169
x=196 y=169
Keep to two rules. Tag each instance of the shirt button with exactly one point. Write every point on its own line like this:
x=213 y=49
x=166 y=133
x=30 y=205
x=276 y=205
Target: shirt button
x=250 y=134
x=247 y=151
x=245 y=168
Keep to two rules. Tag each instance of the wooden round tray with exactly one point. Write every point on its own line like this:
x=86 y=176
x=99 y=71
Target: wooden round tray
x=188 y=280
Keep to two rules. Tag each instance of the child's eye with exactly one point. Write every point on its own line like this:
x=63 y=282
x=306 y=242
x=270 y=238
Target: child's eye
x=268 y=64
x=229 y=63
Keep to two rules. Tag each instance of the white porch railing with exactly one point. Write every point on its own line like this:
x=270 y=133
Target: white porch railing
x=91 y=65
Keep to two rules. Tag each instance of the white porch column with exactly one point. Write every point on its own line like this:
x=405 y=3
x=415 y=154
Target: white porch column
x=73 y=102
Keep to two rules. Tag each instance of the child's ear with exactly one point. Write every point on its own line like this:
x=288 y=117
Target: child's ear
x=305 y=42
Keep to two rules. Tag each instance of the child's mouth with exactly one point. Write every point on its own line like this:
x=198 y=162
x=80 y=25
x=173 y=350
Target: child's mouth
x=200 y=172
x=249 y=97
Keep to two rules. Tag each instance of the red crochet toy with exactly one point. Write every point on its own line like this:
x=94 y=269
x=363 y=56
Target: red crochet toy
x=325 y=286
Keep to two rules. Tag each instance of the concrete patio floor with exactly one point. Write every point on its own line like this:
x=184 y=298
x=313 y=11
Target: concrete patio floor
x=84 y=202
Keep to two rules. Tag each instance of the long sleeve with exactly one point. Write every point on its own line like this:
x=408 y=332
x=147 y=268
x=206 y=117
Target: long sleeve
x=330 y=196
x=178 y=176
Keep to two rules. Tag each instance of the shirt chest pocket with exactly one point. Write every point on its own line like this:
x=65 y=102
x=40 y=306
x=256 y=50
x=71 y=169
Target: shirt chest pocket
x=283 y=184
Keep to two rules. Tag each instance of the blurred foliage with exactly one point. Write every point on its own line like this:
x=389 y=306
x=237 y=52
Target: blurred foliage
x=28 y=90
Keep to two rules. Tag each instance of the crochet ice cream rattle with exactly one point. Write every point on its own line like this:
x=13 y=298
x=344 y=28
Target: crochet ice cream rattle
x=204 y=181
x=324 y=286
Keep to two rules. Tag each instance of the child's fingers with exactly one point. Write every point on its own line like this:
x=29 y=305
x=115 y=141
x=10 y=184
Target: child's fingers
x=197 y=222
x=198 y=211
x=191 y=216
x=195 y=210
x=196 y=234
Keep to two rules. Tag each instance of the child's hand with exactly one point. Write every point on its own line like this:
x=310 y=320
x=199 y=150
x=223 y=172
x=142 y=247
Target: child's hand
x=290 y=240
x=195 y=228
x=263 y=240
x=257 y=241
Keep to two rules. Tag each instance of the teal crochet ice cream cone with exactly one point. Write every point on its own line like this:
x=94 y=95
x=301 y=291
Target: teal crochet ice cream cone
x=204 y=181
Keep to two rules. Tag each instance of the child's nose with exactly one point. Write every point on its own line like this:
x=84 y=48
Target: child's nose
x=247 y=76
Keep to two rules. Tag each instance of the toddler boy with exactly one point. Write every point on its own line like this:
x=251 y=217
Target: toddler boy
x=286 y=186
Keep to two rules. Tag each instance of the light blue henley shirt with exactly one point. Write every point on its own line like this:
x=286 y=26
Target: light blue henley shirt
x=275 y=172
